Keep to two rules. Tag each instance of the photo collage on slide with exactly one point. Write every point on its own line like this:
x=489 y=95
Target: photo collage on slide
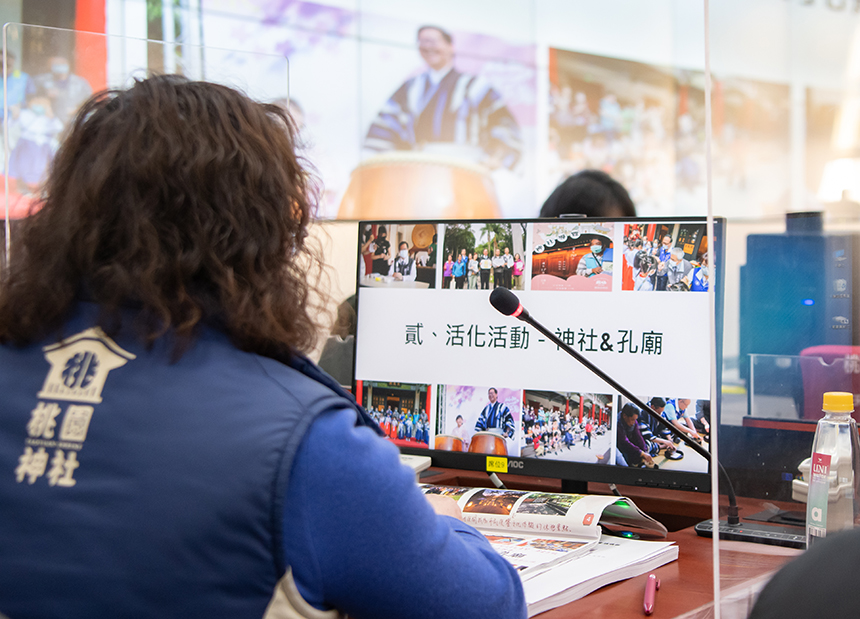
x=644 y=441
x=669 y=257
x=540 y=256
x=507 y=417
x=572 y=256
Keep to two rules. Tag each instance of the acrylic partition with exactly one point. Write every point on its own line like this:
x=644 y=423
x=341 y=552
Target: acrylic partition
x=49 y=73
x=613 y=85
x=793 y=255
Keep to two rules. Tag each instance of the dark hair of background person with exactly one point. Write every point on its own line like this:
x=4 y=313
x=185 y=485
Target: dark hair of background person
x=592 y=193
x=445 y=34
x=347 y=318
x=629 y=410
x=183 y=200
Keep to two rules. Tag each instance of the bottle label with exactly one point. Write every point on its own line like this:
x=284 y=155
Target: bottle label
x=816 y=501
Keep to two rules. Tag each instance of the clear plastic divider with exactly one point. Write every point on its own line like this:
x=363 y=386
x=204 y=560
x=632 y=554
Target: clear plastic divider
x=48 y=73
x=792 y=264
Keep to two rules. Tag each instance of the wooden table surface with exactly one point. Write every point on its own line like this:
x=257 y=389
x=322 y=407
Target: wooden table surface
x=686 y=585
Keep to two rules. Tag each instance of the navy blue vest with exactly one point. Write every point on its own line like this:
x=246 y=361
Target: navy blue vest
x=130 y=486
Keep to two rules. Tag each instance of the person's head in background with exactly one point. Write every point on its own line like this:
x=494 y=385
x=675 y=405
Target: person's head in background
x=346 y=320
x=40 y=104
x=657 y=404
x=592 y=193
x=629 y=415
x=59 y=67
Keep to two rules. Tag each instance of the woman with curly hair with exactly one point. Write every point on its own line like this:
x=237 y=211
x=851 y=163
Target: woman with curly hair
x=166 y=449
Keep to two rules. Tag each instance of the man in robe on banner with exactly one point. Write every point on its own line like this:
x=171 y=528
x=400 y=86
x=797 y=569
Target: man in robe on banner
x=496 y=417
x=444 y=105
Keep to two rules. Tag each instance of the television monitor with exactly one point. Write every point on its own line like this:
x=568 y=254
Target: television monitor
x=448 y=376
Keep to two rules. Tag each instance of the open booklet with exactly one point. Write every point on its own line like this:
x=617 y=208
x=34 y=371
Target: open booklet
x=537 y=531
x=613 y=559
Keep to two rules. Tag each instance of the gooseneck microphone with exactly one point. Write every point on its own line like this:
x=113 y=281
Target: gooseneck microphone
x=508 y=304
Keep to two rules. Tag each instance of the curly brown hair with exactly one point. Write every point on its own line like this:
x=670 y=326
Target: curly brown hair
x=185 y=200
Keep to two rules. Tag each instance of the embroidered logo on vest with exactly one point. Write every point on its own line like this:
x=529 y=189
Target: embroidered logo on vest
x=80 y=366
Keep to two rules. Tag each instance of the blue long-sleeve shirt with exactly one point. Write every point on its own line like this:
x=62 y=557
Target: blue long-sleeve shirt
x=372 y=546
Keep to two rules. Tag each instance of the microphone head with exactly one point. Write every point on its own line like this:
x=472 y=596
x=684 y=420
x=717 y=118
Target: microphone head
x=505 y=302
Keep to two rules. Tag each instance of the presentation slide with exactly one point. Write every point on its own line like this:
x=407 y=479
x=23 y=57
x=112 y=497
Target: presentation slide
x=438 y=366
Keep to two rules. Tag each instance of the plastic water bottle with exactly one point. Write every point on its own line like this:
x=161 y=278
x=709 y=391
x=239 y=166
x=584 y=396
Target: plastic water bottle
x=835 y=472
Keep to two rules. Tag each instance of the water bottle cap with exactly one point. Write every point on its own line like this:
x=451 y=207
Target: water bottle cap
x=838 y=402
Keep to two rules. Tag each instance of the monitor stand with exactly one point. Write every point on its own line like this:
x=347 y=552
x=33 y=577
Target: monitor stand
x=573 y=486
